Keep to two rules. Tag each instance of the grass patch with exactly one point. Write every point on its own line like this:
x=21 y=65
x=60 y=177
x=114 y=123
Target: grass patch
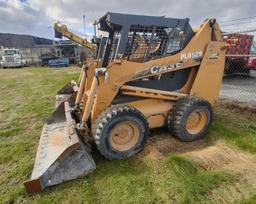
x=189 y=182
x=234 y=127
x=27 y=97
x=251 y=200
x=241 y=133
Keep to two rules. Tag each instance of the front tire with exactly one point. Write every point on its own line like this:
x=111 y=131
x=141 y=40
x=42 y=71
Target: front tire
x=120 y=132
x=190 y=119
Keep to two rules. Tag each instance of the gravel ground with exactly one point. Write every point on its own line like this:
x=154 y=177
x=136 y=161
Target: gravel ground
x=240 y=88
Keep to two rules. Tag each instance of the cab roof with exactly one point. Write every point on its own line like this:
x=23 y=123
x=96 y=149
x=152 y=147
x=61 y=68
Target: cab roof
x=116 y=21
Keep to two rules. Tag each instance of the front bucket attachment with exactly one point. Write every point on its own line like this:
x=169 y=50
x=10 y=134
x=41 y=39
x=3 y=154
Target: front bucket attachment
x=61 y=156
x=65 y=92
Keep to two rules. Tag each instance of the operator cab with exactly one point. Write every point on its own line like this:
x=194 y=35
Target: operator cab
x=140 y=38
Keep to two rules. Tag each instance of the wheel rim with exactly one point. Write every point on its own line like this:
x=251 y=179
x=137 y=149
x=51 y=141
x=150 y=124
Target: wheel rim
x=124 y=135
x=196 y=122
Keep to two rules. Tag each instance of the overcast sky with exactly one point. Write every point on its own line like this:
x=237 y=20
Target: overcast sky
x=35 y=17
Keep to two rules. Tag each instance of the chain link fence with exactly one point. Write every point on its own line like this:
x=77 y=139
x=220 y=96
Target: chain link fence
x=239 y=82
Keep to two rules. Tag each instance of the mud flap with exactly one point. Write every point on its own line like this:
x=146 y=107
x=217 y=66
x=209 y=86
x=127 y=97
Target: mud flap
x=61 y=156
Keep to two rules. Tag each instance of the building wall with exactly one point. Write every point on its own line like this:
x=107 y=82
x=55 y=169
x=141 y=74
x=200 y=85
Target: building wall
x=32 y=55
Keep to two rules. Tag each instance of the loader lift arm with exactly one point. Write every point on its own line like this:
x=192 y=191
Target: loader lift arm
x=62 y=30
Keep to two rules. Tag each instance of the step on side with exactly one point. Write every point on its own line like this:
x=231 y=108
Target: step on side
x=61 y=156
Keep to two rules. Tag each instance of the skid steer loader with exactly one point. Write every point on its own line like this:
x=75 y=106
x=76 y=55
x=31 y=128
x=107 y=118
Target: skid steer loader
x=148 y=72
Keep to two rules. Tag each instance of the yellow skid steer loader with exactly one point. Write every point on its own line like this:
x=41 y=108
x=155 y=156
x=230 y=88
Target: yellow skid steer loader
x=148 y=72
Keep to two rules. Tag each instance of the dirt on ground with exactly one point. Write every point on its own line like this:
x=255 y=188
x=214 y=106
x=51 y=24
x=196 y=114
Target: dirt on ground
x=210 y=156
x=221 y=157
x=242 y=110
x=161 y=143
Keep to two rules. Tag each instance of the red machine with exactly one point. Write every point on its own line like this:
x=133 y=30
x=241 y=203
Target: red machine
x=238 y=51
x=252 y=63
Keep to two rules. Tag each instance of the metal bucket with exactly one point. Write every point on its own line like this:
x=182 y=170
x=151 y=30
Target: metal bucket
x=61 y=156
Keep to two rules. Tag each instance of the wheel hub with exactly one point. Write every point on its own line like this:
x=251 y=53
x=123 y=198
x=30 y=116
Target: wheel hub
x=124 y=135
x=196 y=121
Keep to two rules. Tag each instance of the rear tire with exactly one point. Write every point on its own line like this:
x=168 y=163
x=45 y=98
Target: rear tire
x=120 y=132
x=190 y=118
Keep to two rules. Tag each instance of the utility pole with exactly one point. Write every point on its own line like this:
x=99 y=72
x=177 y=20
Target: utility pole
x=84 y=26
